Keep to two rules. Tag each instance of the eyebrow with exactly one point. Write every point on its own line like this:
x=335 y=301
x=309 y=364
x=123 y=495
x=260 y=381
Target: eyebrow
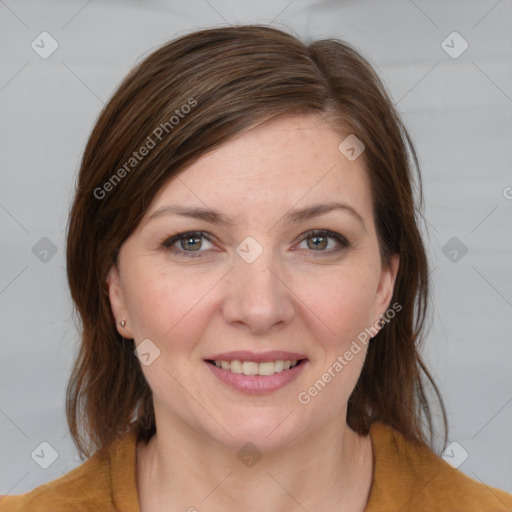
x=292 y=217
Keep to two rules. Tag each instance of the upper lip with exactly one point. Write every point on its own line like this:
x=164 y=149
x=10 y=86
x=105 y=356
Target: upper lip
x=261 y=357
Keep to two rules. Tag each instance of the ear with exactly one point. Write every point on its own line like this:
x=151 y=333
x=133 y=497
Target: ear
x=117 y=302
x=386 y=286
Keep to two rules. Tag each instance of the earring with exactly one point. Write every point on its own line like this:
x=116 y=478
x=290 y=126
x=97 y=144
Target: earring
x=383 y=321
x=123 y=322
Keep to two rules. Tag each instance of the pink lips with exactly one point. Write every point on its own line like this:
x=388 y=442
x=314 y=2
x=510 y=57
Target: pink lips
x=257 y=384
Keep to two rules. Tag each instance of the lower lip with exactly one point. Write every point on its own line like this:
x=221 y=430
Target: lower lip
x=257 y=384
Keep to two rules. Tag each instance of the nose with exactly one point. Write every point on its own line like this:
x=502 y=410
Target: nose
x=258 y=298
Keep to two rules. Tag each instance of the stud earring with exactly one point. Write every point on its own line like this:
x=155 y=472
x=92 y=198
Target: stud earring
x=383 y=321
x=123 y=322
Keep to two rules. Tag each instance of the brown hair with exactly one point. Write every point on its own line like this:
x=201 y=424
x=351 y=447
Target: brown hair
x=233 y=79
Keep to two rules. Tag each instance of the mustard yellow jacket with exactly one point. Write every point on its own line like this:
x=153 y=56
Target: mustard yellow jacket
x=408 y=477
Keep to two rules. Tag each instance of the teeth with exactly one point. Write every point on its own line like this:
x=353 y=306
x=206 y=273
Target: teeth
x=254 y=368
x=267 y=368
x=234 y=366
x=249 y=368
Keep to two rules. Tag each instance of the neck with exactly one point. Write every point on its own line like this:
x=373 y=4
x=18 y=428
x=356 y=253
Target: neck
x=181 y=470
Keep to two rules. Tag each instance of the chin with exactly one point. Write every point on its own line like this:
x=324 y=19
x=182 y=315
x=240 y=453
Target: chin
x=266 y=430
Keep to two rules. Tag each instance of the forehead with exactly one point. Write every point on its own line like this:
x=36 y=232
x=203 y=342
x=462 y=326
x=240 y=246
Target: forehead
x=289 y=161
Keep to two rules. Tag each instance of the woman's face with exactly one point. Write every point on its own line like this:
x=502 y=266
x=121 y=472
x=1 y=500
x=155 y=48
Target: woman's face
x=270 y=285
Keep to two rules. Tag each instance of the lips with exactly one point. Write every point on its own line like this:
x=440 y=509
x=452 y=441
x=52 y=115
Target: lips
x=251 y=363
x=257 y=373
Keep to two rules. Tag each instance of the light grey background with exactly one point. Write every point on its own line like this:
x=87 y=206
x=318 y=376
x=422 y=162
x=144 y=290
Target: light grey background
x=458 y=111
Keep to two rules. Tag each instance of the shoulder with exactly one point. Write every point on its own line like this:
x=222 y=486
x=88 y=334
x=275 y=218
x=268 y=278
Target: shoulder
x=409 y=476
x=87 y=487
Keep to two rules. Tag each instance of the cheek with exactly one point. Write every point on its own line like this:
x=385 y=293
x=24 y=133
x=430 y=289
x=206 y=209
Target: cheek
x=343 y=300
x=161 y=303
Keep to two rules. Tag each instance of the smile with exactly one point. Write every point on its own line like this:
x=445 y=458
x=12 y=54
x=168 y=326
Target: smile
x=255 y=368
x=256 y=378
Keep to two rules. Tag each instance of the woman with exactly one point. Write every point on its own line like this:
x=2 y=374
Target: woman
x=245 y=257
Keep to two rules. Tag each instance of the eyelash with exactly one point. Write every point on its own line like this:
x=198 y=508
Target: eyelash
x=169 y=242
